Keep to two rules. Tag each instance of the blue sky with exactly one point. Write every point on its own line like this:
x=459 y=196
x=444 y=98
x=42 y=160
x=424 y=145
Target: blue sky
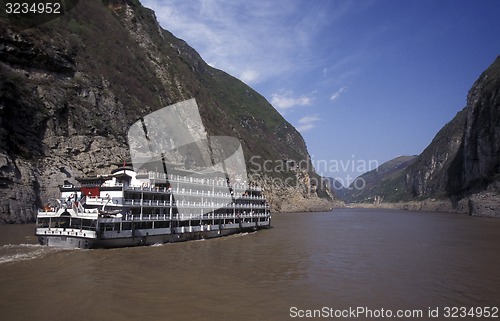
x=363 y=81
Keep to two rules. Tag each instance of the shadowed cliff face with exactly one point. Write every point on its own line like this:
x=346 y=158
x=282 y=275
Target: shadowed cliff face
x=458 y=171
x=463 y=161
x=481 y=143
x=71 y=88
x=429 y=175
x=464 y=156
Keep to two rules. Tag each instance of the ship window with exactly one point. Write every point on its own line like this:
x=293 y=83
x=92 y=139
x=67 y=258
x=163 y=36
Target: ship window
x=76 y=223
x=88 y=224
x=110 y=226
x=162 y=224
x=61 y=222
x=143 y=225
x=43 y=222
x=183 y=223
x=126 y=226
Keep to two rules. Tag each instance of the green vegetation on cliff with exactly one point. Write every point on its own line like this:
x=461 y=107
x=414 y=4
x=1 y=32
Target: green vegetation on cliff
x=70 y=89
x=385 y=183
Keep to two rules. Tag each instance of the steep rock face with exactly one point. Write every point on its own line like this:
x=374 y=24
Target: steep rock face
x=459 y=170
x=71 y=88
x=463 y=160
x=481 y=142
x=429 y=174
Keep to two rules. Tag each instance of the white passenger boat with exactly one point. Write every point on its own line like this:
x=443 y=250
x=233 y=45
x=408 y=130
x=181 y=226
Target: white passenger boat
x=128 y=208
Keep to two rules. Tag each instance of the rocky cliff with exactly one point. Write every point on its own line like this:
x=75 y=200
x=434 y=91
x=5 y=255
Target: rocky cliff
x=479 y=160
x=463 y=161
x=71 y=88
x=430 y=173
x=460 y=169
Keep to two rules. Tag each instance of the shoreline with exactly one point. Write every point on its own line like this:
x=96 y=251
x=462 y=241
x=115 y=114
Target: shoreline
x=484 y=204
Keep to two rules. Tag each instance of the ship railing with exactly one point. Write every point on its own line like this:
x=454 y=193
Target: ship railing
x=192 y=216
x=90 y=213
x=216 y=205
x=220 y=182
x=96 y=199
x=92 y=200
x=139 y=202
x=184 y=203
x=146 y=188
x=46 y=213
x=67 y=232
x=109 y=184
x=191 y=192
x=147 y=217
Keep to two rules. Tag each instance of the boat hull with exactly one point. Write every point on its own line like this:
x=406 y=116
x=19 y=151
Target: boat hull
x=66 y=241
x=141 y=240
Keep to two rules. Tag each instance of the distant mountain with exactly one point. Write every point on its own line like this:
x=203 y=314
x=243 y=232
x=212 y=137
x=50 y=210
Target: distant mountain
x=71 y=88
x=460 y=167
x=385 y=183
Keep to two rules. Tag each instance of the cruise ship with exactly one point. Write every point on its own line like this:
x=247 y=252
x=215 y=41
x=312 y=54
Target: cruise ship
x=145 y=207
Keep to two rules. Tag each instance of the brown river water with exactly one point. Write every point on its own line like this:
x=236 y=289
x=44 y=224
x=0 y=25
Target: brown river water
x=328 y=262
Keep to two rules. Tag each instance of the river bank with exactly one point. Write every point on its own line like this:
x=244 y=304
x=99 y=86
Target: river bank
x=484 y=204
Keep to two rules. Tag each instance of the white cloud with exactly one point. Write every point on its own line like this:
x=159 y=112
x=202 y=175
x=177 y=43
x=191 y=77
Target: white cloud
x=307 y=122
x=252 y=40
x=286 y=101
x=337 y=94
x=249 y=76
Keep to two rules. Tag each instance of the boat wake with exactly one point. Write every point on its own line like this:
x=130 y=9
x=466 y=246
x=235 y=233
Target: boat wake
x=11 y=253
x=244 y=234
x=237 y=235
